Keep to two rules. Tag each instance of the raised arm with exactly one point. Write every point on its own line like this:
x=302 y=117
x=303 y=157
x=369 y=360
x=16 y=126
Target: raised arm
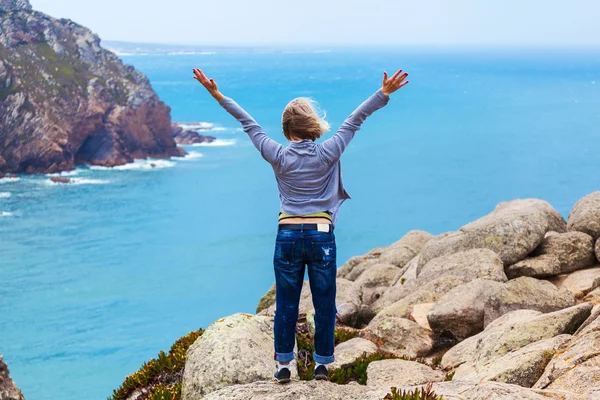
x=335 y=146
x=269 y=149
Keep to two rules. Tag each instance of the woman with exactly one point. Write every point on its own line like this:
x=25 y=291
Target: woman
x=311 y=192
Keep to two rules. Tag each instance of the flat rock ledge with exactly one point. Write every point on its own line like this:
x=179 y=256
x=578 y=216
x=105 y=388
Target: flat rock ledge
x=298 y=390
x=318 y=390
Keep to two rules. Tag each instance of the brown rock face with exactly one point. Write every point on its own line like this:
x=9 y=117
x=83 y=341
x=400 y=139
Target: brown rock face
x=65 y=100
x=8 y=389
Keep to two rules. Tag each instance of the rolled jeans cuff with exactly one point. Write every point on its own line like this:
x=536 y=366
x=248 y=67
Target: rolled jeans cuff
x=323 y=359
x=284 y=357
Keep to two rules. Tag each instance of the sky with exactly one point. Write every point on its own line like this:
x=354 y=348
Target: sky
x=338 y=22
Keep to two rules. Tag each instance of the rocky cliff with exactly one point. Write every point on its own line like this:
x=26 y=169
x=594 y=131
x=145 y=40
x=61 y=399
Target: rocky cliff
x=505 y=308
x=8 y=389
x=64 y=100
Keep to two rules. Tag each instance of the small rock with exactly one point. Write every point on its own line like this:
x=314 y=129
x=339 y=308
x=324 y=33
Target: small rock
x=582 y=282
x=387 y=373
x=526 y=293
x=557 y=254
x=347 y=352
x=57 y=179
x=593 y=297
x=585 y=215
x=419 y=314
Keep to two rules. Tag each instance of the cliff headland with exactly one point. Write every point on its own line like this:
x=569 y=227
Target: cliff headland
x=64 y=100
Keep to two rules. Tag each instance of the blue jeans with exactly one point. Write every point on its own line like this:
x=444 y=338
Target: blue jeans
x=293 y=251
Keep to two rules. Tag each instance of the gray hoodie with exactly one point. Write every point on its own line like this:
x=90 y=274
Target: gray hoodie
x=309 y=175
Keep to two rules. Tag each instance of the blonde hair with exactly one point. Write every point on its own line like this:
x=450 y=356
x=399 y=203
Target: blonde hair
x=301 y=119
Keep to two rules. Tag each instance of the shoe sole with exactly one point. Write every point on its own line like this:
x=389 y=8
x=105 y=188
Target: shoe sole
x=321 y=377
x=285 y=380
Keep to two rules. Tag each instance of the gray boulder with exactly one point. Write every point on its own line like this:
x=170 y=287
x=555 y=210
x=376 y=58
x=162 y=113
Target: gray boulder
x=482 y=263
x=400 y=336
x=514 y=331
x=8 y=389
x=557 y=254
x=526 y=293
x=347 y=352
x=355 y=266
x=460 y=312
x=428 y=293
x=462 y=390
x=236 y=349
x=405 y=249
x=374 y=281
x=576 y=367
x=585 y=215
x=298 y=390
x=582 y=282
x=522 y=367
x=407 y=273
x=442 y=274
x=513 y=230
x=387 y=373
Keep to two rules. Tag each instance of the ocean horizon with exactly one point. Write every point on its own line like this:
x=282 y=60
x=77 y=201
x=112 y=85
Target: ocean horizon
x=101 y=275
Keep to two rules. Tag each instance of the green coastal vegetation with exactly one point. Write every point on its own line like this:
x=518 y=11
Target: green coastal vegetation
x=161 y=376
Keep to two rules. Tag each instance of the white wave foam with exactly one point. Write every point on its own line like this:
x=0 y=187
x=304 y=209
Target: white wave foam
x=5 y=214
x=190 y=53
x=192 y=155
x=5 y=195
x=9 y=180
x=194 y=126
x=216 y=143
x=65 y=173
x=138 y=165
x=79 y=181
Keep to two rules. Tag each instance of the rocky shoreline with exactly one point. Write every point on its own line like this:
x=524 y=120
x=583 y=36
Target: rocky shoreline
x=507 y=307
x=64 y=100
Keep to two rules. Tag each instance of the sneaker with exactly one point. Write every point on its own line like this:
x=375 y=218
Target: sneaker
x=283 y=375
x=321 y=373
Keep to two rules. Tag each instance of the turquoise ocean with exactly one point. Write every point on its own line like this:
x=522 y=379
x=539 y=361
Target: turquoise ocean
x=98 y=276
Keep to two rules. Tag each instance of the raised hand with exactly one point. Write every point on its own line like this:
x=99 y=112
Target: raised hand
x=209 y=84
x=389 y=86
